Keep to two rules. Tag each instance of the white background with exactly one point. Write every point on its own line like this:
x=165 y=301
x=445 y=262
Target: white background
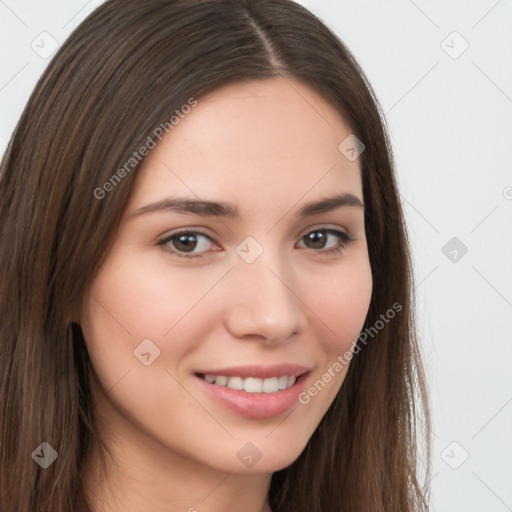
x=450 y=121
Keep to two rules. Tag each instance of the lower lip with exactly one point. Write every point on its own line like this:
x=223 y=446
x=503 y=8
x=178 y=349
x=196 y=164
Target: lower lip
x=255 y=405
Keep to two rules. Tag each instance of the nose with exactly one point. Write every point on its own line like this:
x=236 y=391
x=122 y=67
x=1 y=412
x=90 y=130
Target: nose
x=263 y=302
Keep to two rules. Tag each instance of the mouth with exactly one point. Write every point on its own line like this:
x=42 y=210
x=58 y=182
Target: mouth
x=251 y=394
x=251 y=384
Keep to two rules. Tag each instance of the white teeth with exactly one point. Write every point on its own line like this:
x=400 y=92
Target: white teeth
x=221 y=381
x=270 y=385
x=236 y=383
x=252 y=384
x=283 y=382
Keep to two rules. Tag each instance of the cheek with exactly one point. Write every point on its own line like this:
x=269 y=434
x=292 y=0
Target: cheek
x=340 y=310
x=147 y=299
x=133 y=300
x=341 y=305
x=129 y=303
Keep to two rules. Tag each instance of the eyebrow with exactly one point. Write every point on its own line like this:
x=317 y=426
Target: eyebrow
x=230 y=211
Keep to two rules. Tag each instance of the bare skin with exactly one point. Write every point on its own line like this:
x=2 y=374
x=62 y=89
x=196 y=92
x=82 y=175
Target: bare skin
x=269 y=148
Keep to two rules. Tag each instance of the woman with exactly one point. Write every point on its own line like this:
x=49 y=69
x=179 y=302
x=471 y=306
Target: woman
x=206 y=283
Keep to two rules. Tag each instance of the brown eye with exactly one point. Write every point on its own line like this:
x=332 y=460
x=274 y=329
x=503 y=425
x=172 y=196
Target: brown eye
x=186 y=242
x=318 y=239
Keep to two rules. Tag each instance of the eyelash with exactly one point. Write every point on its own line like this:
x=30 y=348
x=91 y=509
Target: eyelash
x=346 y=239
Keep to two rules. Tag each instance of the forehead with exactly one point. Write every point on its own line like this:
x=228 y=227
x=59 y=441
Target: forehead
x=253 y=143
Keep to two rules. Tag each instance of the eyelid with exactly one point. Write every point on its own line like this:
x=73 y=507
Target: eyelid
x=325 y=227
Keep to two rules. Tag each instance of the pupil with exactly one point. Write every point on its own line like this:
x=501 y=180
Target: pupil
x=186 y=245
x=313 y=236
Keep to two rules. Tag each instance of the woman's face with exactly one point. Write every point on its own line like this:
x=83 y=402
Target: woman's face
x=254 y=299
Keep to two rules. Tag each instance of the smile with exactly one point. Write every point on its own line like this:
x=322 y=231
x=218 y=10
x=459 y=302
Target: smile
x=261 y=397
x=251 y=384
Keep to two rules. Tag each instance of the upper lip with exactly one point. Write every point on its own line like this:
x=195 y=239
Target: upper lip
x=258 y=371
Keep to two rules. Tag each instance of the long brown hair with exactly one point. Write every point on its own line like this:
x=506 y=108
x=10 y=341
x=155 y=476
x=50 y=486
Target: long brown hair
x=124 y=71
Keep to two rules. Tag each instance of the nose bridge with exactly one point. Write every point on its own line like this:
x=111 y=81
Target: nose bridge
x=263 y=302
